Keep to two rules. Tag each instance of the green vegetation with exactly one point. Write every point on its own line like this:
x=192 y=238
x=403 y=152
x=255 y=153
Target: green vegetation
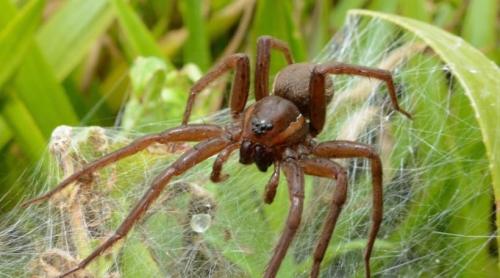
x=130 y=64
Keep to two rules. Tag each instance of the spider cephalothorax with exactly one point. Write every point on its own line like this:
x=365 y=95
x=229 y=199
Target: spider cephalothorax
x=268 y=126
x=277 y=129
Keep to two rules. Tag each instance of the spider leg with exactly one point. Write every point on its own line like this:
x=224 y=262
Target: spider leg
x=295 y=177
x=216 y=175
x=272 y=184
x=317 y=88
x=177 y=134
x=190 y=158
x=264 y=46
x=347 y=149
x=325 y=168
x=241 y=84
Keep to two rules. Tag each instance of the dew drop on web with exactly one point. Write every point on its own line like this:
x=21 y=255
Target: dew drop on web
x=201 y=222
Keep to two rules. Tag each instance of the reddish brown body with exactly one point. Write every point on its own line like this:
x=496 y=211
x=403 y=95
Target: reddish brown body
x=279 y=128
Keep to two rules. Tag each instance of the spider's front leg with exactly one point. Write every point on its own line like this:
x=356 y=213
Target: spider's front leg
x=177 y=134
x=263 y=61
x=197 y=154
x=348 y=149
x=295 y=178
x=239 y=93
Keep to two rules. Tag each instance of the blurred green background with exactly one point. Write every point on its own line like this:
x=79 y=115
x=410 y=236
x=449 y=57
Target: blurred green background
x=68 y=62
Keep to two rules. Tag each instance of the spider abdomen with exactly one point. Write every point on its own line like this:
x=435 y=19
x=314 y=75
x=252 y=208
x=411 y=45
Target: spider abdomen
x=292 y=83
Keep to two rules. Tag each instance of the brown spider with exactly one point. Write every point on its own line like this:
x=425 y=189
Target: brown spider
x=277 y=129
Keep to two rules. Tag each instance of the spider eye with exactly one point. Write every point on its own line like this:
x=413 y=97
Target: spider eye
x=260 y=127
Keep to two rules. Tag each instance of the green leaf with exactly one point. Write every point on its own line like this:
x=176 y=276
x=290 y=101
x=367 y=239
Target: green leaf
x=67 y=36
x=139 y=38
x=37 y=87
x=320 y=23
x=143 y=72
x=15 y=38
x=137 y=260
x=5 y=133
x=340 y=11
x=23 y=127
x=274 y=18
x=388 y=6
x=197 y=48
x=7 y=12
x=479 y=77
x=480 y=24
x=415 y=9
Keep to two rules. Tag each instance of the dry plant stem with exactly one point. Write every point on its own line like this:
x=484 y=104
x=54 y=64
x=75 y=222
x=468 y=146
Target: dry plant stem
x=175 y=39
x=241 y=32
x=357 y=123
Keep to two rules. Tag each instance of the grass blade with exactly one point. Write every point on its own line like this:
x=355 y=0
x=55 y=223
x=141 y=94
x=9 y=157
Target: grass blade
x=5 y=133
x=7 y=12
x=340 y=11
x=66 y=38
x=140 y=40
x=37 y=87
x=15 y=38
x=415 y=9
x=197 y=48
x=24 y=127
x=480 y=25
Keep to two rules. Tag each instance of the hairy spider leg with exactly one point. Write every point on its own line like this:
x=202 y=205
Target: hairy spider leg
x=322 y=167
x=178 y=134
x=262 y=63
x=190 y=158
x=317 y=88
x=295 y=177
x=347 y=149
x=241 y=84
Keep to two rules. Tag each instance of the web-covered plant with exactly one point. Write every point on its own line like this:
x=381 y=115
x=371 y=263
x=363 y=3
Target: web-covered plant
x=438 y=216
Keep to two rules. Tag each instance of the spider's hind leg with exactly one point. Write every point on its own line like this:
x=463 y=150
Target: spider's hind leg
x=348 y=149
x=328 y=169
x=317 y=89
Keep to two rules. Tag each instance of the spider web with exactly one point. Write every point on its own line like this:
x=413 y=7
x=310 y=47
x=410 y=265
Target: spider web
x=438 y=216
